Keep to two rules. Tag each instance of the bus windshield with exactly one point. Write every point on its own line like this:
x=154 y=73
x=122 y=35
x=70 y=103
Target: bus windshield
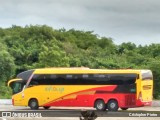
x=16 y=86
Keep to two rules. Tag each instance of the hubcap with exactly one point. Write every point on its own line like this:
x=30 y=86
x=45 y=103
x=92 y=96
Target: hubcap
x=33 y=104
x=99 y=105
x=112 y=105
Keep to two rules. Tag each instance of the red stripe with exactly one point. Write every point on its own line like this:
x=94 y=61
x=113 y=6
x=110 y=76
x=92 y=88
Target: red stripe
x=65 y=102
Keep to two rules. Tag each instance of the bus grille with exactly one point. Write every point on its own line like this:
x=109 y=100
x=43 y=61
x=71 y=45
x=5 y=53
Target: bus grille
x=130 y=100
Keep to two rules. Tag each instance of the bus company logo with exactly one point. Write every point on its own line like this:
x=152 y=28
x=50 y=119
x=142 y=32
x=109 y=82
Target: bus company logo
x=6 y=114
x=54 y=89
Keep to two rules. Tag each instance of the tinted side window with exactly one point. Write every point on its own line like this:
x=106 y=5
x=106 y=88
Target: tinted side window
x=41 y=80
x=69 y=79
x=83 y=79
x=123 y=78
x=87 y=79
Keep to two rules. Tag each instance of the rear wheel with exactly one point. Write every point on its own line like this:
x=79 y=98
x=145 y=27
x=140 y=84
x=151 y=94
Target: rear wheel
x=33 y=104
x=46 y=107
x=100 y=105
x=112 y=105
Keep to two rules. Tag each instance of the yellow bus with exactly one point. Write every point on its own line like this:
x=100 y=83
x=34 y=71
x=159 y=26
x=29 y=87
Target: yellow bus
x=83 y=87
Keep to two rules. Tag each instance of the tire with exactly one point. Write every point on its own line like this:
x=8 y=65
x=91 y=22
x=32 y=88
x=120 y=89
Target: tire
x=100 y=105
x=112 y=105
x=124 y=108
x=33 y=104
x=46 y=107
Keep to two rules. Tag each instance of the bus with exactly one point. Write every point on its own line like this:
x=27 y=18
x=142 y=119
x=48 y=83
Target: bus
x=83 y=87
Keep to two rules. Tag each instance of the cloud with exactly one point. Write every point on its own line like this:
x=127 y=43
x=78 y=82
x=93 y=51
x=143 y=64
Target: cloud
x=123 y=20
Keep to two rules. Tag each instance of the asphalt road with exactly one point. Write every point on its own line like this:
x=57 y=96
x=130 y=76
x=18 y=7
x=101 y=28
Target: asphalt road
x=62 y=113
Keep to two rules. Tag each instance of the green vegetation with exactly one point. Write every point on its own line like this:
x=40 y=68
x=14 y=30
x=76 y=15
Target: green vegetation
x=5 y=92
x=29 y=47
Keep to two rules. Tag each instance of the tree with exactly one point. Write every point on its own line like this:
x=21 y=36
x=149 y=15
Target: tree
x=154 y=65
x=7 y=69
x=124 y=47
x=52 y=57
x=7 y=66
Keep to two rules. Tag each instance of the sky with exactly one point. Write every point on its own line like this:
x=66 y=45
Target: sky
x=136 y=21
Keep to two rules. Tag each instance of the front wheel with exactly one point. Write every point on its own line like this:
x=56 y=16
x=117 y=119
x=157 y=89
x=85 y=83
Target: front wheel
x=112 y=105
x=33 y=104
x=100 y=105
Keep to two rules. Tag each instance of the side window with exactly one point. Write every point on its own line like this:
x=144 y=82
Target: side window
x=85 y=76
x=116 y=79
x=93 y=79
x=83 y=79
x=121 y=79
x=41 y=79
x=36 y=79
x=69 y=76
x=49 y=79
x=59 y=80
x=131 y=78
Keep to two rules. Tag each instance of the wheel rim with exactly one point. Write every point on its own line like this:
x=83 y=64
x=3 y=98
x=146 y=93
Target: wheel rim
x=112 y=105
x=100 y=105
x=33 y=104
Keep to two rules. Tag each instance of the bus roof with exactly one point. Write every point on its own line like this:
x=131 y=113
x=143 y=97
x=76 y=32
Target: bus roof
x=84 y=71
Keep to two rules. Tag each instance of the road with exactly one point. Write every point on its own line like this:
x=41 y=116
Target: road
x=62 y=113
